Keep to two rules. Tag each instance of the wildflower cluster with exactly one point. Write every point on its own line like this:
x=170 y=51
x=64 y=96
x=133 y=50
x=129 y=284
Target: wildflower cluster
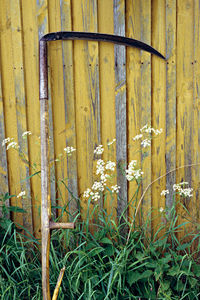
x=21 y=194
x=164 y=193
x=25 y=133
x=10 y=143
x=102 y=168
x=13 y=145
x=180 y=189
x=133 y=172
x=6 y=141
x=112 y=142
x=69 y=150
x=146 y=135
x=99 y=150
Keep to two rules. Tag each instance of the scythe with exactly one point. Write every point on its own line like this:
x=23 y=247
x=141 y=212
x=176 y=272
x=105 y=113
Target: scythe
x=46 y=224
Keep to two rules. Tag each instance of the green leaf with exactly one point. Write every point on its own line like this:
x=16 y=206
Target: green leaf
x=105 y=240
x=5 y=223
x=160 y=242
x=183 y=247
x=36 y=173
x=95 y=251
x=174 y=271
x=133 y=277
x=140 y=255
x=109 y=250
x=192 y=281
x=196 y=270
x=16 y=209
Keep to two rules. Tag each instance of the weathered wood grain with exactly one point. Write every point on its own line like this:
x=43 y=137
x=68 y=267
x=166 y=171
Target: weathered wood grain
x=107 y=91
x=185 y=68
x=158 y=108
x=21 y=111
x=86 y=72
x=120 y=104
x=170 y=98
x=3 y=159
x=68 y=72
x=9 y=104
x=196 y=113
x=133 y=95
x=145 y=21
x=31 y=79
x=58 y=106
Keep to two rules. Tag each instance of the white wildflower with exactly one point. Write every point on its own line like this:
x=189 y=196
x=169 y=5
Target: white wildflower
x=146 y=142
x=99 y=150
x=115 y=188
x=144 y=128
x=110 y=165
x=100 y=167
x=12 y=145
x=148 y=129
x=164 y=192
x=25 y=133
x=184 y=192
x=103 y=178
x=21 y=194
x=98 y=185
x=138 y=137
x=112 y=142
x=183 y=183
x=132 y=173
x=86 y=194
x=96 y=196
x=132 y=163
x=176 y=187
x=158 y=131
x=69 y=150
x=7 y=140
x=161 y=209
x=138 y=174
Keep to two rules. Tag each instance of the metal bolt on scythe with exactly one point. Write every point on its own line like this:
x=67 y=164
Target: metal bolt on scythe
x=46 y=223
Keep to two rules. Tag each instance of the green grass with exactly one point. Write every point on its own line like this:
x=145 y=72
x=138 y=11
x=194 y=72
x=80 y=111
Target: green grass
x=100 y=263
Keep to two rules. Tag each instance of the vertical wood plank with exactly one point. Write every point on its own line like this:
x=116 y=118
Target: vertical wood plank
x=86 y=93
x=170 y=98
x=158 y=108
x=107 y=90
x=120 y=106
x=58 y=104
x=146 y=101
x=196 y=112
x=30 y=51
x=9 y=103
x=68 y=70
x=185 y=56
x=133 y=93
x=17 y=45
x=3 y=159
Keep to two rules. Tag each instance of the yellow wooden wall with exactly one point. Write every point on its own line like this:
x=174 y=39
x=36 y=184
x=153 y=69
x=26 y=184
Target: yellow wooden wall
x=99 y=92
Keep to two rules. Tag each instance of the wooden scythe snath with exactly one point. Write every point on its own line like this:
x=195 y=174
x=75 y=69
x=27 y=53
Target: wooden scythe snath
x=46 y=223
